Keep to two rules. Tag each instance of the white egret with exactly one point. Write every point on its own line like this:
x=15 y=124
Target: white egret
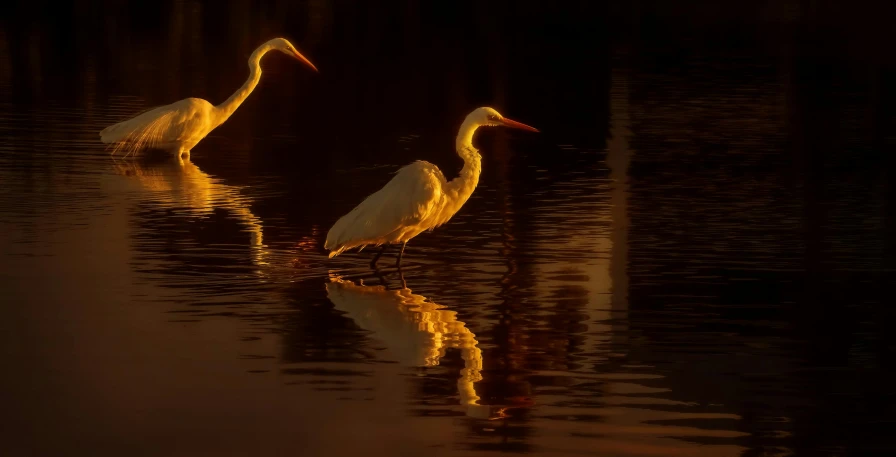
x=181 y=125
x=418 y=198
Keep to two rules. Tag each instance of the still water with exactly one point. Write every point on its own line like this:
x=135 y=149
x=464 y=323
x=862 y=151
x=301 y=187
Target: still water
x=678 y=265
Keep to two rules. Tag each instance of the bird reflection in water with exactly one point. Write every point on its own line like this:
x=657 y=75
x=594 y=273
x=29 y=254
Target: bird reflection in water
x=179 y=183
x=417 y=333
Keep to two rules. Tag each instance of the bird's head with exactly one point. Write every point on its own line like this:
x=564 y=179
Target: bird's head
x=283 y=45
x=488 y=117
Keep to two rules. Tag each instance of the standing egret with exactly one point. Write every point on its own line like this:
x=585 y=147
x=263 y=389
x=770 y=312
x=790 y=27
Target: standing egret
x=418 y=198
x=181 y=125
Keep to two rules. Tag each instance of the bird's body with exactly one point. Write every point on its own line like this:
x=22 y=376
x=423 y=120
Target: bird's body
x=178 y=127
x=417 y=199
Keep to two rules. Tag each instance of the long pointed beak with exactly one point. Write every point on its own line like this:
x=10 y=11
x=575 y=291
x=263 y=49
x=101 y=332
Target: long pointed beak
x=302 y=59
x=518 y=125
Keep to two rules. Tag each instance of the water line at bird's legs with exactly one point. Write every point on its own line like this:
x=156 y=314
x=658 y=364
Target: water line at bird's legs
x=400 y=253
x=377 y=257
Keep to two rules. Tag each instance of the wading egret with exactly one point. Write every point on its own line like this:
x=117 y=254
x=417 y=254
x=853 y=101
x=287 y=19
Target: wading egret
x=181 y=125
x=418 y=198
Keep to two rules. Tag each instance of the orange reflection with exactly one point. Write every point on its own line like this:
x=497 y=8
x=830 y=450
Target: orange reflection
x=180 y=183
x=417 y=332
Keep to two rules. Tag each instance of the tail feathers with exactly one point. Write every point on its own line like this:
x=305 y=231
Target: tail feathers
x=336 y=248
x=114 y=133
x=352 y=230
x=147 y=130
x=337 y=245
x=337 y=238
x=119 y=132
x=340 y=248
x=332 y=246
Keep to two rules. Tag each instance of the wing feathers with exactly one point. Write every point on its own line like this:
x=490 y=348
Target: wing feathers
x=158 y=126
x=391 y=213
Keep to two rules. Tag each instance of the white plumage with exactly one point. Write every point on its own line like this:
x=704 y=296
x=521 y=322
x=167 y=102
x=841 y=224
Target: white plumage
x=395 y=213
x=181 y=125
x=418 y=198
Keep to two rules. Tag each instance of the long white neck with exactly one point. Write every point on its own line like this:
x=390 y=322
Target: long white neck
x=464 y=184
x=226 y=109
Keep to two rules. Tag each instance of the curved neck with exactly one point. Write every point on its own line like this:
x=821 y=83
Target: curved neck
x=464 y=184
x=464 y=138
x=226 y=109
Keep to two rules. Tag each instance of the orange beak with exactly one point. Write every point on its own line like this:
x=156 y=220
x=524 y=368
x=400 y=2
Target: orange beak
x=518 y=125
x=302 y=59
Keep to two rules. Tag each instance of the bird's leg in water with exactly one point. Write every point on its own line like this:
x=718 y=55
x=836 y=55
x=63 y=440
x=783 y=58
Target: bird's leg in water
x=182 y=154
x=379 y=275
x=377 y=257
x=400 y=253
x=384 y=279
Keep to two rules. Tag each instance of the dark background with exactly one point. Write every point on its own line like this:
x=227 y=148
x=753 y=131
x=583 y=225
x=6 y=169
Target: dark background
x=762 y=138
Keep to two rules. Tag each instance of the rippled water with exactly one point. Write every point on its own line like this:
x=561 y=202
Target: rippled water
x=693 y=258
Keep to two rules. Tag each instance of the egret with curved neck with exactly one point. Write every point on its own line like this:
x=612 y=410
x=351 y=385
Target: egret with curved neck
x=418 y=198
x=181 y=125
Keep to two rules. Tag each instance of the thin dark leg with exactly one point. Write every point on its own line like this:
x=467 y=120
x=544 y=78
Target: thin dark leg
x=400 y=253
x=377 y=257
x=379 y=275
x=387 y=282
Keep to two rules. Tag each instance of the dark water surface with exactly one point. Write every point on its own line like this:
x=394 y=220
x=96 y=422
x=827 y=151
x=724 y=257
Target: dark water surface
x=694 y=257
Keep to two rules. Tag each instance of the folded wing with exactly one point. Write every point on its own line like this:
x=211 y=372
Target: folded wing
x=157 y=127
x=400 y=208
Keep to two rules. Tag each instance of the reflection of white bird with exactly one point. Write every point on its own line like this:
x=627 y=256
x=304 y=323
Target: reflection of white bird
x=416 y=331
x=181 y=125
x=181 y=184
x=418 y=198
